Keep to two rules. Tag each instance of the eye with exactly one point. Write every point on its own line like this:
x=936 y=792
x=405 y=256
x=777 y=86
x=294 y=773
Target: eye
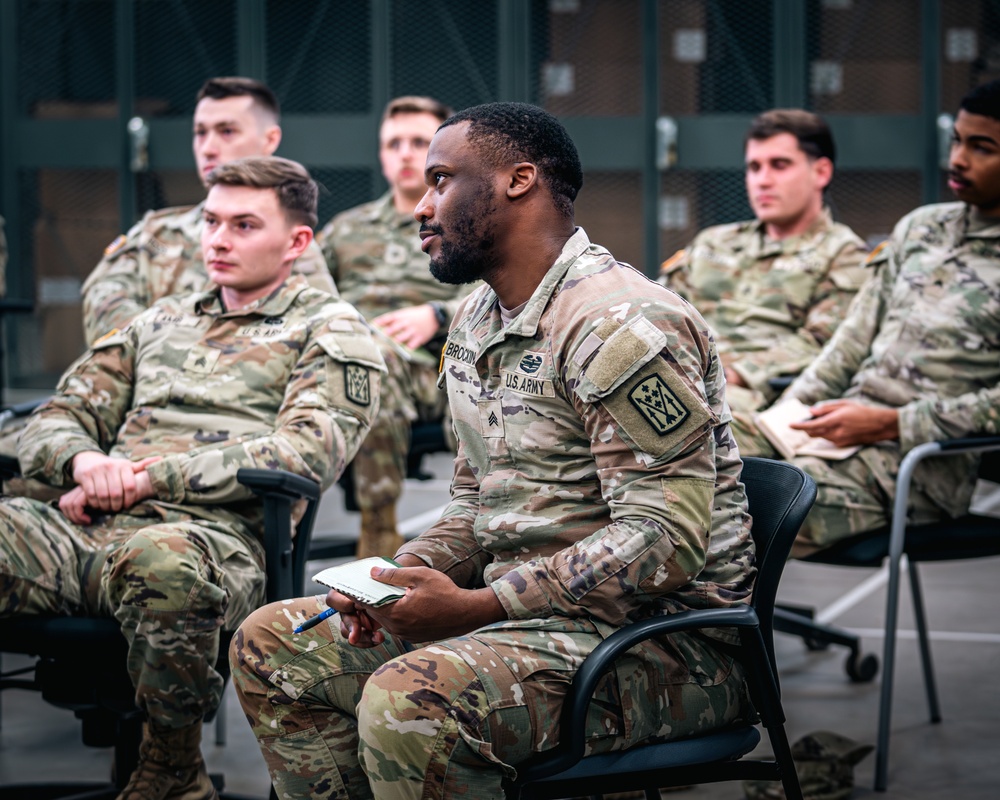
x=211 y=222
x=437 y=177
x=243 y=225
x=228 y=131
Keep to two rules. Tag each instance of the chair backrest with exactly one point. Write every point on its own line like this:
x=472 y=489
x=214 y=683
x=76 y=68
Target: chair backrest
x=779 y=496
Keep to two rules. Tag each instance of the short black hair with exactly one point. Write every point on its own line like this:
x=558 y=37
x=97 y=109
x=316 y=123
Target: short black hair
x=983 y=100
x=810 y=130
x=237 y=86
x=505 y=133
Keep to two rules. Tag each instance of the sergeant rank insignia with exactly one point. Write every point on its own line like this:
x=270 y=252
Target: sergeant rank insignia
x=658 y=404
x=356 y=384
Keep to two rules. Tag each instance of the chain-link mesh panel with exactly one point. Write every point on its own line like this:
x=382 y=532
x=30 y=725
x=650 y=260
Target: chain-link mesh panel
x=178 y=45
x=864 y=57
x=691 y=200
x=871 y=203
x=319 y=57
x=68 y=218
x=591 y=59
x=461 y=66
x=970 y=48
x=66 y=58
x=340 y=189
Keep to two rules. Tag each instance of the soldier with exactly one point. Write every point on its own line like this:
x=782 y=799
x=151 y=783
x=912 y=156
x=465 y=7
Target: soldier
x=596 y=483
x=918 y=357
x=775 y=288
x=144 y=437
x=374 y=255
x=161 y=254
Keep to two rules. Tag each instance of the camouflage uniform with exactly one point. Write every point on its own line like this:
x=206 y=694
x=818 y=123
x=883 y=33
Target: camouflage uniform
x=923 y=337
x=374 y=255
x=596 y=484
x=161 y=256
x=288 y=383
x=772 y=304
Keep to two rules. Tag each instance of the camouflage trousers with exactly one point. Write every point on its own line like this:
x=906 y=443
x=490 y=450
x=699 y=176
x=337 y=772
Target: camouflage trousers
x=852 y=496
x=409 y=392
x=172 y=584
x=456 y=717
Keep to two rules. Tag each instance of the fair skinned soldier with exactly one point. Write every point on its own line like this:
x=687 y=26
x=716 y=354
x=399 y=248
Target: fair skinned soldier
x=234 y=117
x=374 y=255
x=143 y=439
x=775 y=288
x=593 y=443
x=918 y=356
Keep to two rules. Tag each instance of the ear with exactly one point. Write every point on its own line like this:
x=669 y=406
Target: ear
x=824 y=171
x=272 y=138
x=302 y=235
x=522 y=177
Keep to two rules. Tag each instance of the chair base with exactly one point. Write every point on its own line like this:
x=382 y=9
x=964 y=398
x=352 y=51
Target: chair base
x=860 y=668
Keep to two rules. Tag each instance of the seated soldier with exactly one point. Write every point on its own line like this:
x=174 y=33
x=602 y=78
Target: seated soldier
x=775 y=288
x=374 y=254
x=144 y=437
x=918 y=357
x=161 y=254
x=596 y=483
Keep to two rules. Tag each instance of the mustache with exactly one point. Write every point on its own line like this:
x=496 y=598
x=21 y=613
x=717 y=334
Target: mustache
x=437 y=230
x=954 y=176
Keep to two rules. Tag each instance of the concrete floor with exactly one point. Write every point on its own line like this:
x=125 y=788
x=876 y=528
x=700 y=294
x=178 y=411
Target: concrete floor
x=959 y=758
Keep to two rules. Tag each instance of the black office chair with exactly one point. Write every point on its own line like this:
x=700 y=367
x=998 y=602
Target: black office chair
x=99 y=691
x=780 y=495
x=971 y=536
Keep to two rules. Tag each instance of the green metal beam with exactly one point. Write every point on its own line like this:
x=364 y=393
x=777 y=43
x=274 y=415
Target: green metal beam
x=251 y=39
x=930 y=97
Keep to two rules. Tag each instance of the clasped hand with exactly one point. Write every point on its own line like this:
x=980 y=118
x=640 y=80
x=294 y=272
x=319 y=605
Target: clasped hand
x=417 y=616
x=846 y=423
x=105 y=483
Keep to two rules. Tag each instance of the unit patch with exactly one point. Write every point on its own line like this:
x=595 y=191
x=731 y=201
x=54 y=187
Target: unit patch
x=658 y=404
x=356 y=384
x=530 y=363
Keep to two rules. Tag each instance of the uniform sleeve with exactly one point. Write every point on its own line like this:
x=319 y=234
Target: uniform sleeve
x=312 y=266
x=115 y=292
x=830 y=374
x=643 y=401
x=450 y=545
x=674 y=272
x=85 y=413
x=930 y=419
x=327 y=410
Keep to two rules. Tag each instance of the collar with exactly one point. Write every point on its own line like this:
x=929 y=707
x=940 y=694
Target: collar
x=384 y=211
x=977 y=226
x=276 y=304
x=526 y=323
x=766 y=246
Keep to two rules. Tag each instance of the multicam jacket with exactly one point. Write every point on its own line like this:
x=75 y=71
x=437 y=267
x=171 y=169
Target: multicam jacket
x=596 y=475
x=161 y=256
x=290 y=382
x=772 y=304
x=925 y=338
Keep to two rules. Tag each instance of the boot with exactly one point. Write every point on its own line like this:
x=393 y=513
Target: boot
x=379 y=536
x=170 y=766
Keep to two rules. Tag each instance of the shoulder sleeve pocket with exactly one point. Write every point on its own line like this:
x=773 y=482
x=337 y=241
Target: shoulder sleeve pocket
x=353 y=372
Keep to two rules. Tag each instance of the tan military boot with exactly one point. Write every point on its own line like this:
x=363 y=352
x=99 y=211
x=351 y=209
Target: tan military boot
x=170 y=766
x=379 y=535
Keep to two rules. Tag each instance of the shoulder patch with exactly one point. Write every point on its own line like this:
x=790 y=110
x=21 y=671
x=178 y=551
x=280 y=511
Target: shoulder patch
x=671 y=263
x=658 y=404
x=873 y=256
x=357 y=386
x=116 y=244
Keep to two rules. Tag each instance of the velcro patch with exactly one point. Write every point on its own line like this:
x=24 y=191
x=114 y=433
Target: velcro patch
x=658 y=404
x=357 y=385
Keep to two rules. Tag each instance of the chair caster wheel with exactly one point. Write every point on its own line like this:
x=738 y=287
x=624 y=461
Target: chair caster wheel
x=863 y=669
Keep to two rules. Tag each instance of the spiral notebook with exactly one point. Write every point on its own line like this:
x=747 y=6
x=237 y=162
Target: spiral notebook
x=354 y=580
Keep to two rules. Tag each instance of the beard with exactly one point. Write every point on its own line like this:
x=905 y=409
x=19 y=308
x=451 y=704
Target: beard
x=469 y=252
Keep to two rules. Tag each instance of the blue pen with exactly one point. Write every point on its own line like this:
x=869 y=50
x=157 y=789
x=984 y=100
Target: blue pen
x=312 y=622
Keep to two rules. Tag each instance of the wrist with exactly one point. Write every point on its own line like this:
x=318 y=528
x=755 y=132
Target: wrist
x=440 y=314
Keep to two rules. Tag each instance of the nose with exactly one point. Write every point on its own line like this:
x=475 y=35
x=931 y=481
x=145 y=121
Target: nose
x=216 y=239
x=425 y=208
x=958 y=157
x=208 y=144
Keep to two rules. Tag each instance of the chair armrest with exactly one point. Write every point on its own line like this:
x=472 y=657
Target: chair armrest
x=572 y=730
x=19 y=410
x=285 y=562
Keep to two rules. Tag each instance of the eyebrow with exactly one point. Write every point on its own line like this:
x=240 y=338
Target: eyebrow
x=981 y=138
